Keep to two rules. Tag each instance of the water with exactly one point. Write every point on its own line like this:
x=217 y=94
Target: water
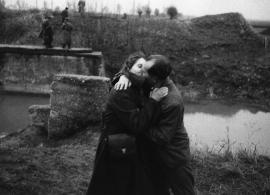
x=215 y=126
x=211 y=125
x=14 y=110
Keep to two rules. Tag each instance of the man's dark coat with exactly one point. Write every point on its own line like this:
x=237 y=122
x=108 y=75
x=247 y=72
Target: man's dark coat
x=169 y=133
x=171 y=154
x=46 y=33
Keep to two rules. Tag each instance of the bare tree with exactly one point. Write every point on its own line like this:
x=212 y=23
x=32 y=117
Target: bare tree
x=18 y=5
x=172 y=12
x=45 y=4
x=133 y=8
x=156 y=12
x=147 y=10
x=21 y=4
x=105 y=10
x=118 y=9
x=2 y=4
x=139 y=11
x=96 y=7
x=57 y=9
x=74 y=5
x=68 y=5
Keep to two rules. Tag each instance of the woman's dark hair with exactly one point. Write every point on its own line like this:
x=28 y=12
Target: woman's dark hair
x=161 y=68
x=131 y=60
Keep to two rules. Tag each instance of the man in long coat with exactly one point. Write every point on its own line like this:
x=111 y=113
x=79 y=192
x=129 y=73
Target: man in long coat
x=67 y=29
x=169 y=134
x=47 y=32
x=64 y=14
x=169 y=157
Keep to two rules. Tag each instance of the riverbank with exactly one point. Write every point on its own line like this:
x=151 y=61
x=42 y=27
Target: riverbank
x=221 y=53
x=31 y=164
x=14 y=106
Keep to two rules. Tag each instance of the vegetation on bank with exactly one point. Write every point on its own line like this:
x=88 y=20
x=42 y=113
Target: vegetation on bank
x=220 y=52
x=31 y=164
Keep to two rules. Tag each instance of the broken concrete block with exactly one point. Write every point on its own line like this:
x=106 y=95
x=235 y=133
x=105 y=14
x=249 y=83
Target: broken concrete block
x=39 y=116
x=76 y=102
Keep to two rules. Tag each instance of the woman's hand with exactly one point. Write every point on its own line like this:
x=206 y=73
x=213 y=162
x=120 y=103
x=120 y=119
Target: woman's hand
x=159 y=93
x=123 y=83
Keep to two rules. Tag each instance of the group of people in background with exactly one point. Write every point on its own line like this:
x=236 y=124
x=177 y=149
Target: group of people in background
x=47 y=32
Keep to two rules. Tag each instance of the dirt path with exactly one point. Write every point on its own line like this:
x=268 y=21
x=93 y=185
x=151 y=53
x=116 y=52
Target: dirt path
x=47 y=168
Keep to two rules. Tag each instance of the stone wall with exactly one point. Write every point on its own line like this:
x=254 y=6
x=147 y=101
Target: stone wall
x=32 y=68
x=76 y=102
x=39 y=116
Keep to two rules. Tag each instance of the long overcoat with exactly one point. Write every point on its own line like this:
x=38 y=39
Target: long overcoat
x=127 y=111
x=67 y=29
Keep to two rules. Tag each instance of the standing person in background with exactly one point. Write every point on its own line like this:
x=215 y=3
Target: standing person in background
x=81 y=5
x=67 y=29
x=47 y=32
x=64 y=14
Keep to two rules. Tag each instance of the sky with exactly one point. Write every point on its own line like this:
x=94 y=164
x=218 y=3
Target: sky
x=250 y=9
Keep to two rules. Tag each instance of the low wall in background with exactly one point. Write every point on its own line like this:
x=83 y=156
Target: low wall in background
x=76 y=102
x=32 y=68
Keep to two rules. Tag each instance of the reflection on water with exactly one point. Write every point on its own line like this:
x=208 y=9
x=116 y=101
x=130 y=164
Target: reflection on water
x=14 y=110
x=212 y=125
x=208 y=124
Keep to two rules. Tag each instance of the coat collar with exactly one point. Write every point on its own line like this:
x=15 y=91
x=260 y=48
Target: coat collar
x=136 y=81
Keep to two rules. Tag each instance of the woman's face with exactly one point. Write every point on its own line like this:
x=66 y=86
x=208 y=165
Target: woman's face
x=137 y=68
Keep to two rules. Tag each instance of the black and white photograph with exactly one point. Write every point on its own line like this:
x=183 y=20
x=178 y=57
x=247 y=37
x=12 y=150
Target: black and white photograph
x=134 y=97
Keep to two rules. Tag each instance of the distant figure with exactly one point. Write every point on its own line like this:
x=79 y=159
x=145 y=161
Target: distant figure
x=81 y=5
x=64 y=14
x=124 y=16
x=47 y=33
x=67 y=28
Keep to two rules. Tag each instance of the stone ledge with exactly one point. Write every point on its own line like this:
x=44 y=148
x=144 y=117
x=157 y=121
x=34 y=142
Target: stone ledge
x=76 y=101
x=41 y=50
x=71 y=78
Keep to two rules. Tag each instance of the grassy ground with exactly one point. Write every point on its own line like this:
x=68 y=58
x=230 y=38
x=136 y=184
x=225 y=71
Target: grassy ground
x=30 y=164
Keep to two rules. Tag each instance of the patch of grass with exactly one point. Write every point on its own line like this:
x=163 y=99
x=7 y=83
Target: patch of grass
x=228 y=172
x=65 y=166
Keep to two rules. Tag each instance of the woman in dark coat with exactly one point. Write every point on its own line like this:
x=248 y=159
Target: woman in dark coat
x=47 y=32
x=131 y=112
x=67 y=29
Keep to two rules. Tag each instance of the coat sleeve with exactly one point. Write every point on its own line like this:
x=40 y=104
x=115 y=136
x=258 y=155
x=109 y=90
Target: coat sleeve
x=134 y=119
x=163 y=131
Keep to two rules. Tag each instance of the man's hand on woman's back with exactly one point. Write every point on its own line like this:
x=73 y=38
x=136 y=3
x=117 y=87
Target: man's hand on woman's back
x=159 y=93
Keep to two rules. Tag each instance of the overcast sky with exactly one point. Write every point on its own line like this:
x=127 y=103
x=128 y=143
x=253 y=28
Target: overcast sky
x=251 y=9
